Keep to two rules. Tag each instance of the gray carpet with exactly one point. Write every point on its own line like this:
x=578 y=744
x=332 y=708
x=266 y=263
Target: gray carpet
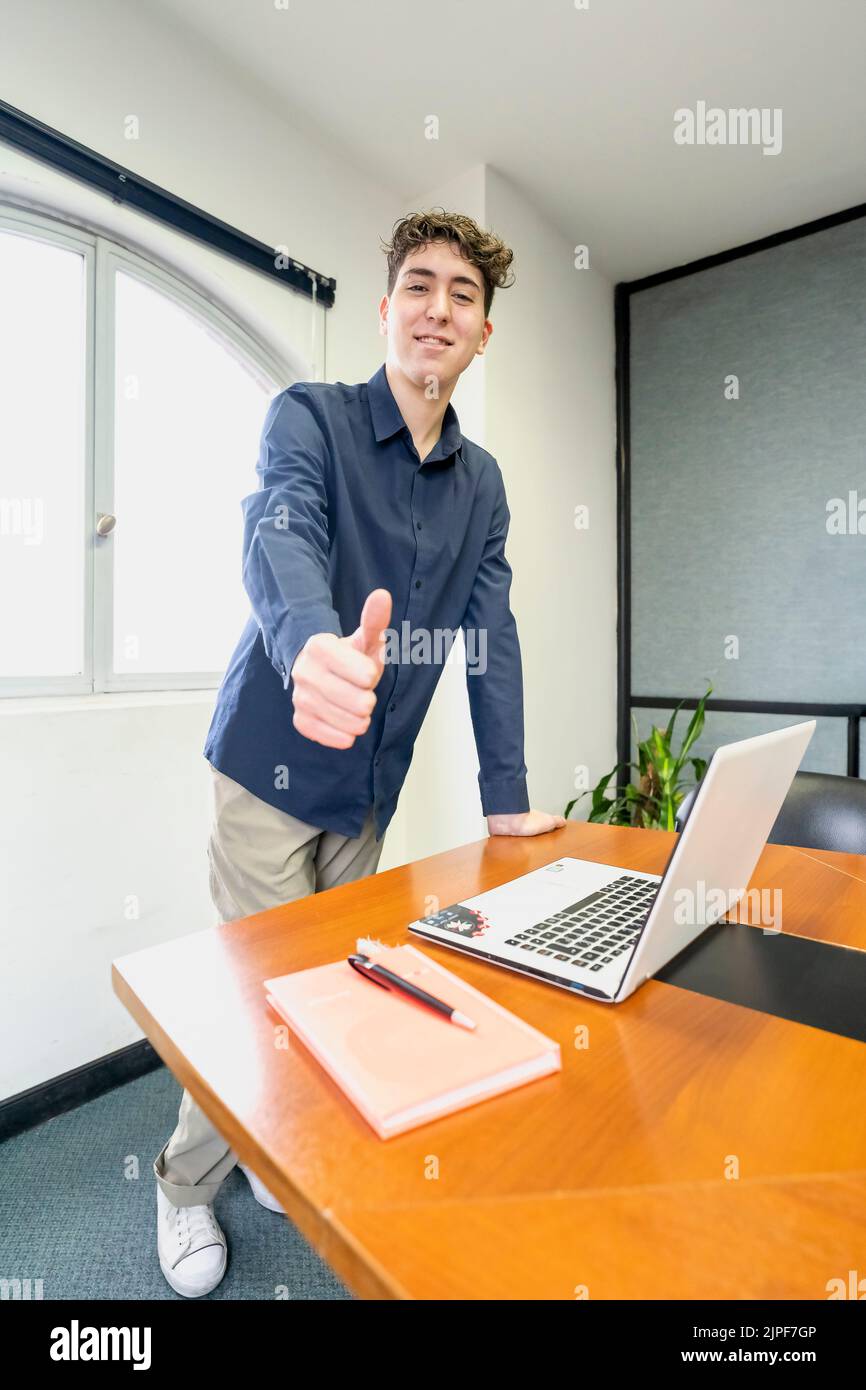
x=70 y=1216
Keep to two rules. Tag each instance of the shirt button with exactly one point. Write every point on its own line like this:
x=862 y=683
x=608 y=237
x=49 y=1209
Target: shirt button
x=393 y=707
x=378 y=760
x=417 y=583
x=418 y=524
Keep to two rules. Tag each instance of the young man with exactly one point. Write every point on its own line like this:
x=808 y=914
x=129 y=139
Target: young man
x=372 y=506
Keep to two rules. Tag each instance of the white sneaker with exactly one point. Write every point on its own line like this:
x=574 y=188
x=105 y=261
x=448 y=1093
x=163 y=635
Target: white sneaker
x=192 y=1247
x=260 y=1192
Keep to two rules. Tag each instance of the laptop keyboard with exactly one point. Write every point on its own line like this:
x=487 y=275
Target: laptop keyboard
x=591 y=933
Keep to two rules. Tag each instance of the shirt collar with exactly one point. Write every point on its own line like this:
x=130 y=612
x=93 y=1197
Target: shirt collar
x=387 y=419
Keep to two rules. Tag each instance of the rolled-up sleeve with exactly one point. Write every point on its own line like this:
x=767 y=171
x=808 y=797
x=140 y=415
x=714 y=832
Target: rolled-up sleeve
x=494 y=673
x=286 y=542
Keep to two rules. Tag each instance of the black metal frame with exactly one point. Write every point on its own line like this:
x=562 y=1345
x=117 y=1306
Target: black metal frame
x=124 y=186
x=853 y=714
x=626 y=700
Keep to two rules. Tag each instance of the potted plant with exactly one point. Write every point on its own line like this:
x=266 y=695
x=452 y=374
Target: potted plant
x=652 y=803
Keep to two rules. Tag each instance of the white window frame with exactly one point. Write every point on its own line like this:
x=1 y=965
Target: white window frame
x=103 y=257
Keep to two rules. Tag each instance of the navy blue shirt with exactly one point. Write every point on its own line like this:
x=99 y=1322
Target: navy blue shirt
x=345 y=505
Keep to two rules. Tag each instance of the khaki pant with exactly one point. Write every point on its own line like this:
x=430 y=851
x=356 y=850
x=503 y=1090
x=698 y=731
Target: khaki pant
x=259 y=858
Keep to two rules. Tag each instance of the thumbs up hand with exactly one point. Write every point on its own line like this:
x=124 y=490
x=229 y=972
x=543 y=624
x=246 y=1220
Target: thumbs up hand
x=366 y=638
x=334 y=678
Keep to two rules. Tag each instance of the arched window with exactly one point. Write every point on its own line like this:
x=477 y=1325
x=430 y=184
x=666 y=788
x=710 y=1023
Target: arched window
x=130 y=413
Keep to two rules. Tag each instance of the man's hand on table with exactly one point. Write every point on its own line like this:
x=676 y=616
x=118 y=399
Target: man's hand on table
x=524 y=823
x=334 y=678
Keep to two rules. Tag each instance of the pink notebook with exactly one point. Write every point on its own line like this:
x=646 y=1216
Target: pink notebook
x=400 y=1063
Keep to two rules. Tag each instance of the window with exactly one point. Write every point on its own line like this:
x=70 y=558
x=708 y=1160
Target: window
x=42 y=457
x=130 y=414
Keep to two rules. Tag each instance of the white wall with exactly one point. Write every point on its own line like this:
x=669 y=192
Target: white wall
x=103 y=821
x=106 y=799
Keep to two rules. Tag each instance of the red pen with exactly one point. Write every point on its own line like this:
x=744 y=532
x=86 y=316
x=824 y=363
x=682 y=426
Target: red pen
x=379 y=975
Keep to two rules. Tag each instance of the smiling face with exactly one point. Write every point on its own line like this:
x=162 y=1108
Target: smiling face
x=437 y=294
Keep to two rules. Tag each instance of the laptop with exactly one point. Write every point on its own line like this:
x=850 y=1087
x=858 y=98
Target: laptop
x=602 y=931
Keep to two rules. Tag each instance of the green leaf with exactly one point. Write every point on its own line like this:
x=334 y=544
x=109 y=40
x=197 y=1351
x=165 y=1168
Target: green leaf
x=696 y=724
x=633 y=806
x=673 y=721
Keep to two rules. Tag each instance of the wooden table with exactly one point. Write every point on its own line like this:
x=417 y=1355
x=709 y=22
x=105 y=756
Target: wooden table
x=612 y=1179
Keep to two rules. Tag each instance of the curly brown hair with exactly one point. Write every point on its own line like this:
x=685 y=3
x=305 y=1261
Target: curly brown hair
x=483 y=249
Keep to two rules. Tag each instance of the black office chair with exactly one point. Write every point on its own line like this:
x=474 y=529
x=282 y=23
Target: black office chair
x=821 y=811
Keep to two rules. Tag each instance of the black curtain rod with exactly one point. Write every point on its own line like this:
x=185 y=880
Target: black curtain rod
x=123 y=186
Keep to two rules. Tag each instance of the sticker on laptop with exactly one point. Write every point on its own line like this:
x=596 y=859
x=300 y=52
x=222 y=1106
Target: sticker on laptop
x=462 y=920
